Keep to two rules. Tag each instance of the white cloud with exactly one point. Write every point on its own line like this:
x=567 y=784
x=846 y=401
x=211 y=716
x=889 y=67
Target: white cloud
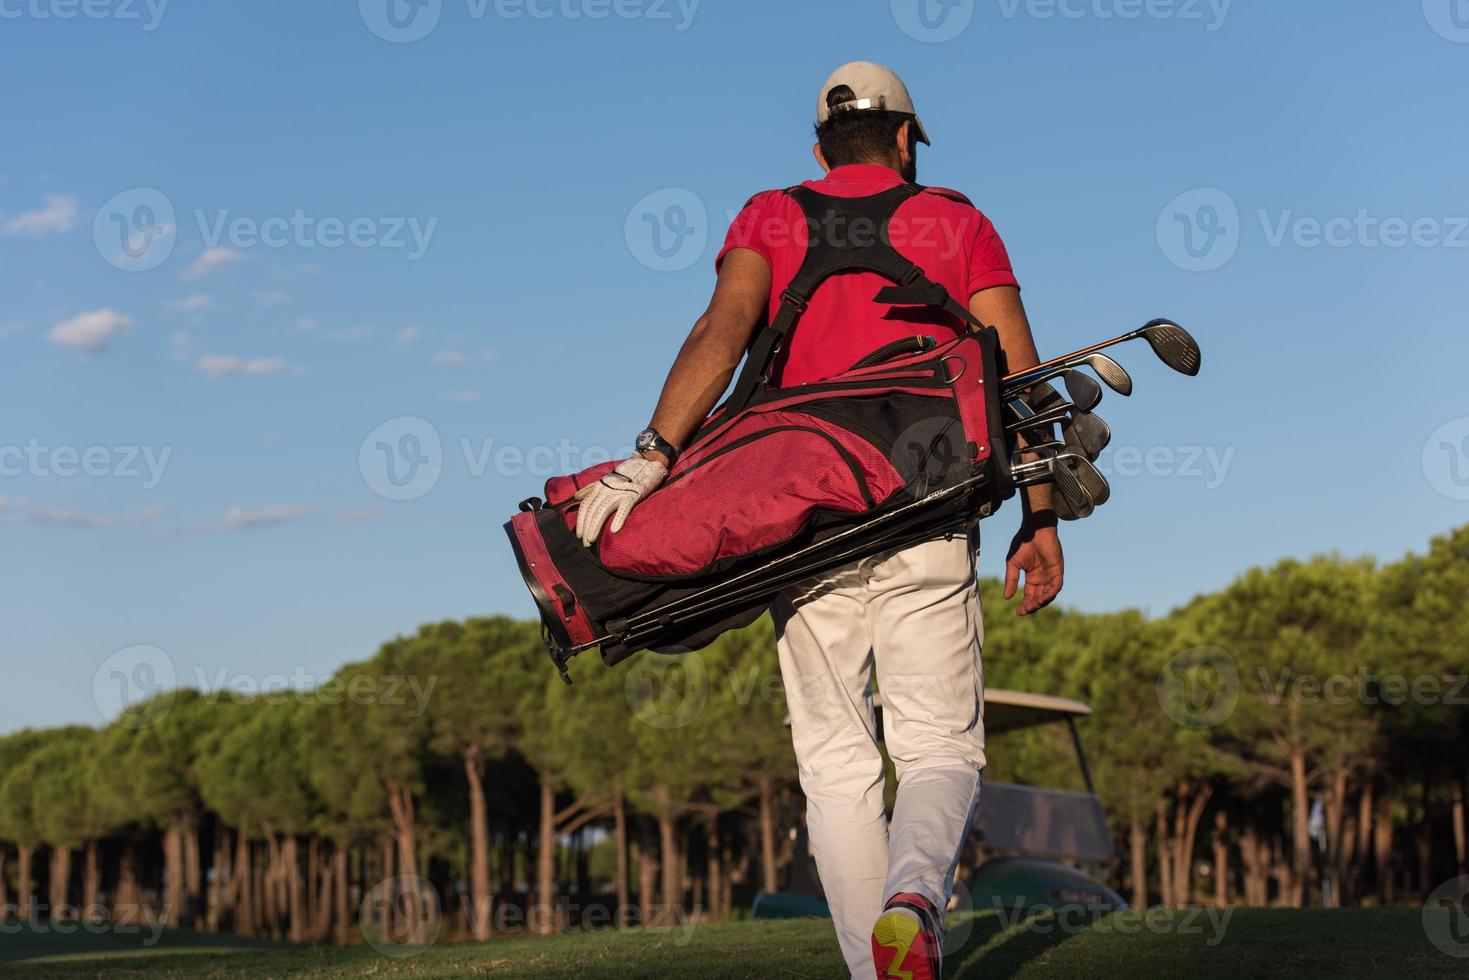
x=192 y=304
x=447 y=358
x=409 y=334
x=58 y=215
x=71 y=518
x=226 y=365
x=269 y=297
x=463 y=397
x=210 y=260
x=306 y=323
x=90 y=331
x=363 y=331
x=244 y=519
x=361 y=516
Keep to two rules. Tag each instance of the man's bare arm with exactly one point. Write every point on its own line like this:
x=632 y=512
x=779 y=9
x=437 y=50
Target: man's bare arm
x=1002 y=309
x=715 y=346
x=1036 y=550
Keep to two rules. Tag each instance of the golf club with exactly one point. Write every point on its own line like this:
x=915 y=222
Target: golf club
x=1169 y=341
x=1087 y=432
x=1112 y=373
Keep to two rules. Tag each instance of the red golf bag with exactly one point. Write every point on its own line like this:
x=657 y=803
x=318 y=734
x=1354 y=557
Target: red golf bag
x=782 y=484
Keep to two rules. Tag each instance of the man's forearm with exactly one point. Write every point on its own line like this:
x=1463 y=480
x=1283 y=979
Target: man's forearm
x=1002 y=309
x=699 y=375
x=714 y=348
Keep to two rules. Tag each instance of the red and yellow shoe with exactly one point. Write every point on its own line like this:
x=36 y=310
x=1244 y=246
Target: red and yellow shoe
x=905 y=940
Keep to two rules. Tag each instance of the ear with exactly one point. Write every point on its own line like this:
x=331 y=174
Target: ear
x=821 y=157
x=905 y=141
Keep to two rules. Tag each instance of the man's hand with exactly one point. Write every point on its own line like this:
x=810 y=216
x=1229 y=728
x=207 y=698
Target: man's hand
x=615 y=495
x=1036 y=551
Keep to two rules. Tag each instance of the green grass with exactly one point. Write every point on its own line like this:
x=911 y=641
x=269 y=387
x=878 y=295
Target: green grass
x=1126 y=946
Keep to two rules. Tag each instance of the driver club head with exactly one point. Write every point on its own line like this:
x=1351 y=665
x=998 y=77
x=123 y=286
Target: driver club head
x=1174 y=346
x=1085 y=393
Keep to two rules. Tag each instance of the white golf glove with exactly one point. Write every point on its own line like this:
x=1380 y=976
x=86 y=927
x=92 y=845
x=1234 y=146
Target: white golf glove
x=616 y=494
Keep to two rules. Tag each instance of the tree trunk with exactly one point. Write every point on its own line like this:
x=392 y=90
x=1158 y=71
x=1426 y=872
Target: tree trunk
x=1165 y=862
x=1300 y=826
x=193 y=873
x=23 y=857
x=125 y=902
x=1184 y=869
x=1221 y=858
x=543 y=915
x=1365 y=810
x=173 y=876
x=1336 y=807
x=341 y=917
x=400 y=802
x=619 y=843
x=4 y=883
x=1252 y=853
x=295 y=889
x=767 y=835
x=91 y=884
x=60 y=885
x=1458 y=815
x=672 y=861
x=480 y=899
x=713 y=876
x=1423 y=837
x=244 y=899
x=1137 y=839
x=647 y=871
x=1382 y=836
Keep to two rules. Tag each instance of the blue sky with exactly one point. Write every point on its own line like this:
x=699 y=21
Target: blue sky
x=1284 y=178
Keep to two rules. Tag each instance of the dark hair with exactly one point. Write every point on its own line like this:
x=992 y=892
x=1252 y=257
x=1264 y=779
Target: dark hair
x=858 y=135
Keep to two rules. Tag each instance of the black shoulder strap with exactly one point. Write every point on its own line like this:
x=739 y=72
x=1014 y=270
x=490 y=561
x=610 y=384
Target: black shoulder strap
x=845 y=234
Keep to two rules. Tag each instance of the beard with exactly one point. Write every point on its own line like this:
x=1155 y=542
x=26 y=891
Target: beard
x=909 y=170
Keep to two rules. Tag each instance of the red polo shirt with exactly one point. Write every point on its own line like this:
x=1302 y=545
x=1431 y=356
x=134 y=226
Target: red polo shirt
x=942 y=233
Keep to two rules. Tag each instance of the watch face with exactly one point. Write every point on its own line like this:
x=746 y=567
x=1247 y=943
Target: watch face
x=645 y=439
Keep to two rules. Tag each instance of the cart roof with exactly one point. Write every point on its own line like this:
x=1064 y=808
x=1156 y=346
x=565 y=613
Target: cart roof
x=1007 y=711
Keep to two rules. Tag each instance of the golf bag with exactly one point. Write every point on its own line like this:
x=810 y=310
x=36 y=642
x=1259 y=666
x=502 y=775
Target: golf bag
x=782 y=484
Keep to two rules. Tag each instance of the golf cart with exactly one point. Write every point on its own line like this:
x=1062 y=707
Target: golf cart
x=1030 y=847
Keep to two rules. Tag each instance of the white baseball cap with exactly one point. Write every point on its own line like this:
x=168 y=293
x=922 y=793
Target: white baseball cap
x=873 y=87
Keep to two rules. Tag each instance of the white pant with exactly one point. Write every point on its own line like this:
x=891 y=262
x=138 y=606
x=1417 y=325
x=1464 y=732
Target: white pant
x=915 y=612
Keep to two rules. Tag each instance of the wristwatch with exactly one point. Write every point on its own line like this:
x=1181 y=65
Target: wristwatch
x=650 y=441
